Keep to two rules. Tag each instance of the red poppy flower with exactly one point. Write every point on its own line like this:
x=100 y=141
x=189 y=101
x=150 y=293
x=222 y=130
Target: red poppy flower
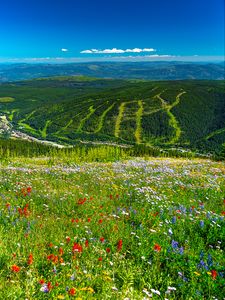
x=213 y=274
x=68 y=239
x=50 y=257
x=157 y=248
x=77 y=247
x=15 y=268
x=119 y=245
x=107 y=250
x=102 y=239
x=155 y=214
x=30 y=259
x=72 y=292
x=29 y=189
x=49 y=285
x=86 y=243
x=24 y=211
x=81 y=201
x=100 y=221
x=61 y=251
x=55 y=259
x=41 y=281
x=100 y=259
x=61 y=260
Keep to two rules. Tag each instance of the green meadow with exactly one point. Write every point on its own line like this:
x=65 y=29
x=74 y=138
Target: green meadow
x=129 y=228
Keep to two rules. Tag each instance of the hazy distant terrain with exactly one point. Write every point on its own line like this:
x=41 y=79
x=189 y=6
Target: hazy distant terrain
x=132 y=70
x=159 y=113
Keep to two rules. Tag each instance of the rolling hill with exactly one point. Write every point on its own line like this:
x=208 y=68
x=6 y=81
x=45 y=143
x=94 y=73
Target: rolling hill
x=122 y=70
x=189 y=114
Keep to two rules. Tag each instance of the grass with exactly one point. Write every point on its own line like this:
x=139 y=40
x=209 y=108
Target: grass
x=6 y=99
x=134 y=229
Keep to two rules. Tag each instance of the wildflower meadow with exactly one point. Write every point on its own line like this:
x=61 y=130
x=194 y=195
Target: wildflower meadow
x=130 y=229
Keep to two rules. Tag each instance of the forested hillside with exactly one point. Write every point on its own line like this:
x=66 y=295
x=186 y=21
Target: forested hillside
x=190 y=114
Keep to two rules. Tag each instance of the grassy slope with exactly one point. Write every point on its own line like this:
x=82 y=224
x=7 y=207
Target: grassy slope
x=186 y=113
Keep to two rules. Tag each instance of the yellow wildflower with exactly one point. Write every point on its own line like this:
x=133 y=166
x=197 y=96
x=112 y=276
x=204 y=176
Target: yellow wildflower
x=88 y=289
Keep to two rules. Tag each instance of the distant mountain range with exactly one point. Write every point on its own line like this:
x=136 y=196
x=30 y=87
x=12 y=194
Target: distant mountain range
x=120 y=70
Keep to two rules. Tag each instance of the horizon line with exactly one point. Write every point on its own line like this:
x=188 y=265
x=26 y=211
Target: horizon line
x=147 y=58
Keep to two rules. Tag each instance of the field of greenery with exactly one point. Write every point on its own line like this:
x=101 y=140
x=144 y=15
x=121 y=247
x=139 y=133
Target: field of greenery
x=138 y=228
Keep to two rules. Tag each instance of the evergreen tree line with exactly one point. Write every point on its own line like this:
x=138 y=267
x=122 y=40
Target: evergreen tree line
x=91 y=153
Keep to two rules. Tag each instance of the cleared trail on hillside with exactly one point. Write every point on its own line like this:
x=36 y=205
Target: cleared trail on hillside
x=139 y=114
x=43 y=132
x=91 y=111
x=126 y=113
x=216 y=132
x=102 y=118
x=119 y=119
x=172 y=119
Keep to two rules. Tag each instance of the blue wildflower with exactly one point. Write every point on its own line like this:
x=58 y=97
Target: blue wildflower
x=201 y=254
x=210 y=260
x=44 y=288
x=201 y=223
x=181 y=250
x=174 y=220
x=174 y=244
x=202 y=264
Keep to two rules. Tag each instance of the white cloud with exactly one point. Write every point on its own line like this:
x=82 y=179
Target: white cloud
x=87 y=52
x=110 y=51
x=117 y=51
x=64 y=50
x=149 y=50
x=138 y=50
x=105 y=51
x=157 y=55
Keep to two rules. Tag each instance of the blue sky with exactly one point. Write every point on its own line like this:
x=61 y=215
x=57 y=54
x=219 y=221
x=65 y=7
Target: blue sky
x=74 y=30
